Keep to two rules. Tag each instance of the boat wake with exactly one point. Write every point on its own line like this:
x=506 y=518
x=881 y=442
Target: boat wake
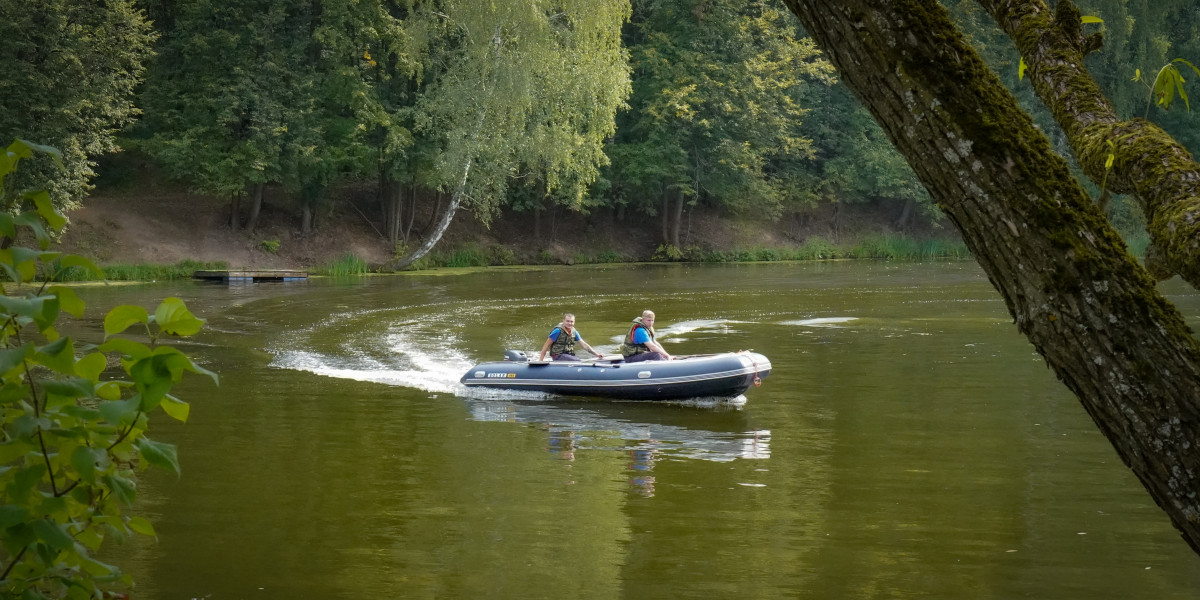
x=821 y=322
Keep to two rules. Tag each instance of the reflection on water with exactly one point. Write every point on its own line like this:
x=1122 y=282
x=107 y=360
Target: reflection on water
x=908 y=444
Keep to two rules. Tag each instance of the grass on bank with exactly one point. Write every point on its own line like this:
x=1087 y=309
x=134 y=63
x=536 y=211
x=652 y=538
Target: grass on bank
x=876 y=247
x=142 y=272
x=884 y=247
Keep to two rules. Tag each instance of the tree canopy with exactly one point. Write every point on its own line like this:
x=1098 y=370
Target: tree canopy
x=68 y=69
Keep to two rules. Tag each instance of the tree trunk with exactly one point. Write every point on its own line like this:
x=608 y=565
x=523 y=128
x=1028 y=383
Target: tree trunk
x=256 y=198
x=905 y=214
x=455 y=202
x=391 y=203
x=1148 y=162
x=677 y=221
x=306 y=219
x=234 y=209
x=1066 y=278
x=406 y=231
x=666 y=217
x=437 y=204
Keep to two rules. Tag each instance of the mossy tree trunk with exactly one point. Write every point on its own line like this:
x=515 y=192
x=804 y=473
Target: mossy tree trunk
x=1072 y=288
x=1148 y=163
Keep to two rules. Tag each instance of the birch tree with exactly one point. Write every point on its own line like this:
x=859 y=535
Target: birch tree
x=516 y=86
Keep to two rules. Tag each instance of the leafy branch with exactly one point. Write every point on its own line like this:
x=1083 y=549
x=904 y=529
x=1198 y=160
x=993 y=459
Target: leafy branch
x=1167 y=83
x=70 y=434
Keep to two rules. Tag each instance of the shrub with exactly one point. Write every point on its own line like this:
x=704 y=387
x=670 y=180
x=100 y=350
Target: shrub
x=70 y=436
x=348 y=265
x=667 y=252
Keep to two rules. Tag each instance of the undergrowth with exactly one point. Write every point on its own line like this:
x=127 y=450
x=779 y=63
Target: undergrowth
x=142 y=272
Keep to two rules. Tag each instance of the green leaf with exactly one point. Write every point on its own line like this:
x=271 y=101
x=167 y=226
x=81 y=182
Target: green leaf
x=53 y=534
x=122 y=489
x=127 y=348
x=159 y=454
x=176 y=408
x=120 y=412
x=73 y=387
x=25 y=307
x=153 y=380
x=1021 y=69
x=32 y=221
x=1179 y=88
x=26 y=148
x=122 y=317
x=11 y=358
x=142 y=526
x=1091 y=19
x=84 y=460
x=58 y=355
x=68 y=300
x=46 y=209
x=74 y=260
x=91 y=366
x=99 y=570
x=25 y=480
x=1197 y=70
x=11 y=514
x=7 y=227
x=173 y=317
x=11 y=393
x=109 y=390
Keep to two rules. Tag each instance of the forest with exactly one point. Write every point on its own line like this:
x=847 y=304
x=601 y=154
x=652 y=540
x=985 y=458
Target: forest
x=646 y=109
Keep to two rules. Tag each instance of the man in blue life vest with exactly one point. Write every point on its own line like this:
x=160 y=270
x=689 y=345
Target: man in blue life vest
x=561 y=343
x=639 y=342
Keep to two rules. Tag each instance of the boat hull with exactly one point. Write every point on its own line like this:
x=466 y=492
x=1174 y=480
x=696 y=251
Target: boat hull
x=718 y=375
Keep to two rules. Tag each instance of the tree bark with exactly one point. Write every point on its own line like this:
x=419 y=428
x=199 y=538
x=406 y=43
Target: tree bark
x=677 y=221
x=1148 y=163
x=1072 y=288
x=666 y=217
x=455 y=201
x=256 y=198
x=234 y=209
x=306 y=219
x=391 y=203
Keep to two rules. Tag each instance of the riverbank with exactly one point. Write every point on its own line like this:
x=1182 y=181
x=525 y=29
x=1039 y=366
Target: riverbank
x=160 y=232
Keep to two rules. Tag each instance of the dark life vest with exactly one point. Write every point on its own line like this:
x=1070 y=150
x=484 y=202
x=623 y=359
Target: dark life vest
x=629 y=348
x=565 y=344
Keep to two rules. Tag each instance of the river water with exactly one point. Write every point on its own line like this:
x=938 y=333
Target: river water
x=908 y=444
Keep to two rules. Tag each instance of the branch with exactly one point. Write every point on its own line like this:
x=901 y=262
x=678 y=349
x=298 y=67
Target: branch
x=1149 y=164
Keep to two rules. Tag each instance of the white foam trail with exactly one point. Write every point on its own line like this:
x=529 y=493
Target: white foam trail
x=431 y=371
x=821 y=322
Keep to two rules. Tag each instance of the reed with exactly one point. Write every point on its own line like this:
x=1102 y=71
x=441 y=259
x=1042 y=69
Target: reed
x=348 y=265
x=141 y=272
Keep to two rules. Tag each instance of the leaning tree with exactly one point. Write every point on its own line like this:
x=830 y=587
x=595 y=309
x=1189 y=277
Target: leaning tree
x=1068 y=280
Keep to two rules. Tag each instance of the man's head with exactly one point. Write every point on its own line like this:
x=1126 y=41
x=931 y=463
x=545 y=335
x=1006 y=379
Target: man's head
x=569 y=320
x=648 y=317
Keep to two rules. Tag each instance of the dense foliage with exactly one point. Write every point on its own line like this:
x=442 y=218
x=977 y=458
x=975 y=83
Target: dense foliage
x=68 y=69
x=648 y=108
x=71 y=434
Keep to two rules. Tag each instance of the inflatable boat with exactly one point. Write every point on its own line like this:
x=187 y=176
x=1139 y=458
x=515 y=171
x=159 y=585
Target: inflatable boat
x=725 y=375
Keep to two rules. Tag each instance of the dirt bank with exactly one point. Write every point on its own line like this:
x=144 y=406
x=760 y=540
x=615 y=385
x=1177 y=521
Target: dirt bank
x=163 y=225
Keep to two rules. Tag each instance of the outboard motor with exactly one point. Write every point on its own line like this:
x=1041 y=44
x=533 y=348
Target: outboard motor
x=515 y=356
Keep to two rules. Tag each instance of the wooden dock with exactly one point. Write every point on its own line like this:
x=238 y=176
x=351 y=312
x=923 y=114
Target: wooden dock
x=251 y=275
